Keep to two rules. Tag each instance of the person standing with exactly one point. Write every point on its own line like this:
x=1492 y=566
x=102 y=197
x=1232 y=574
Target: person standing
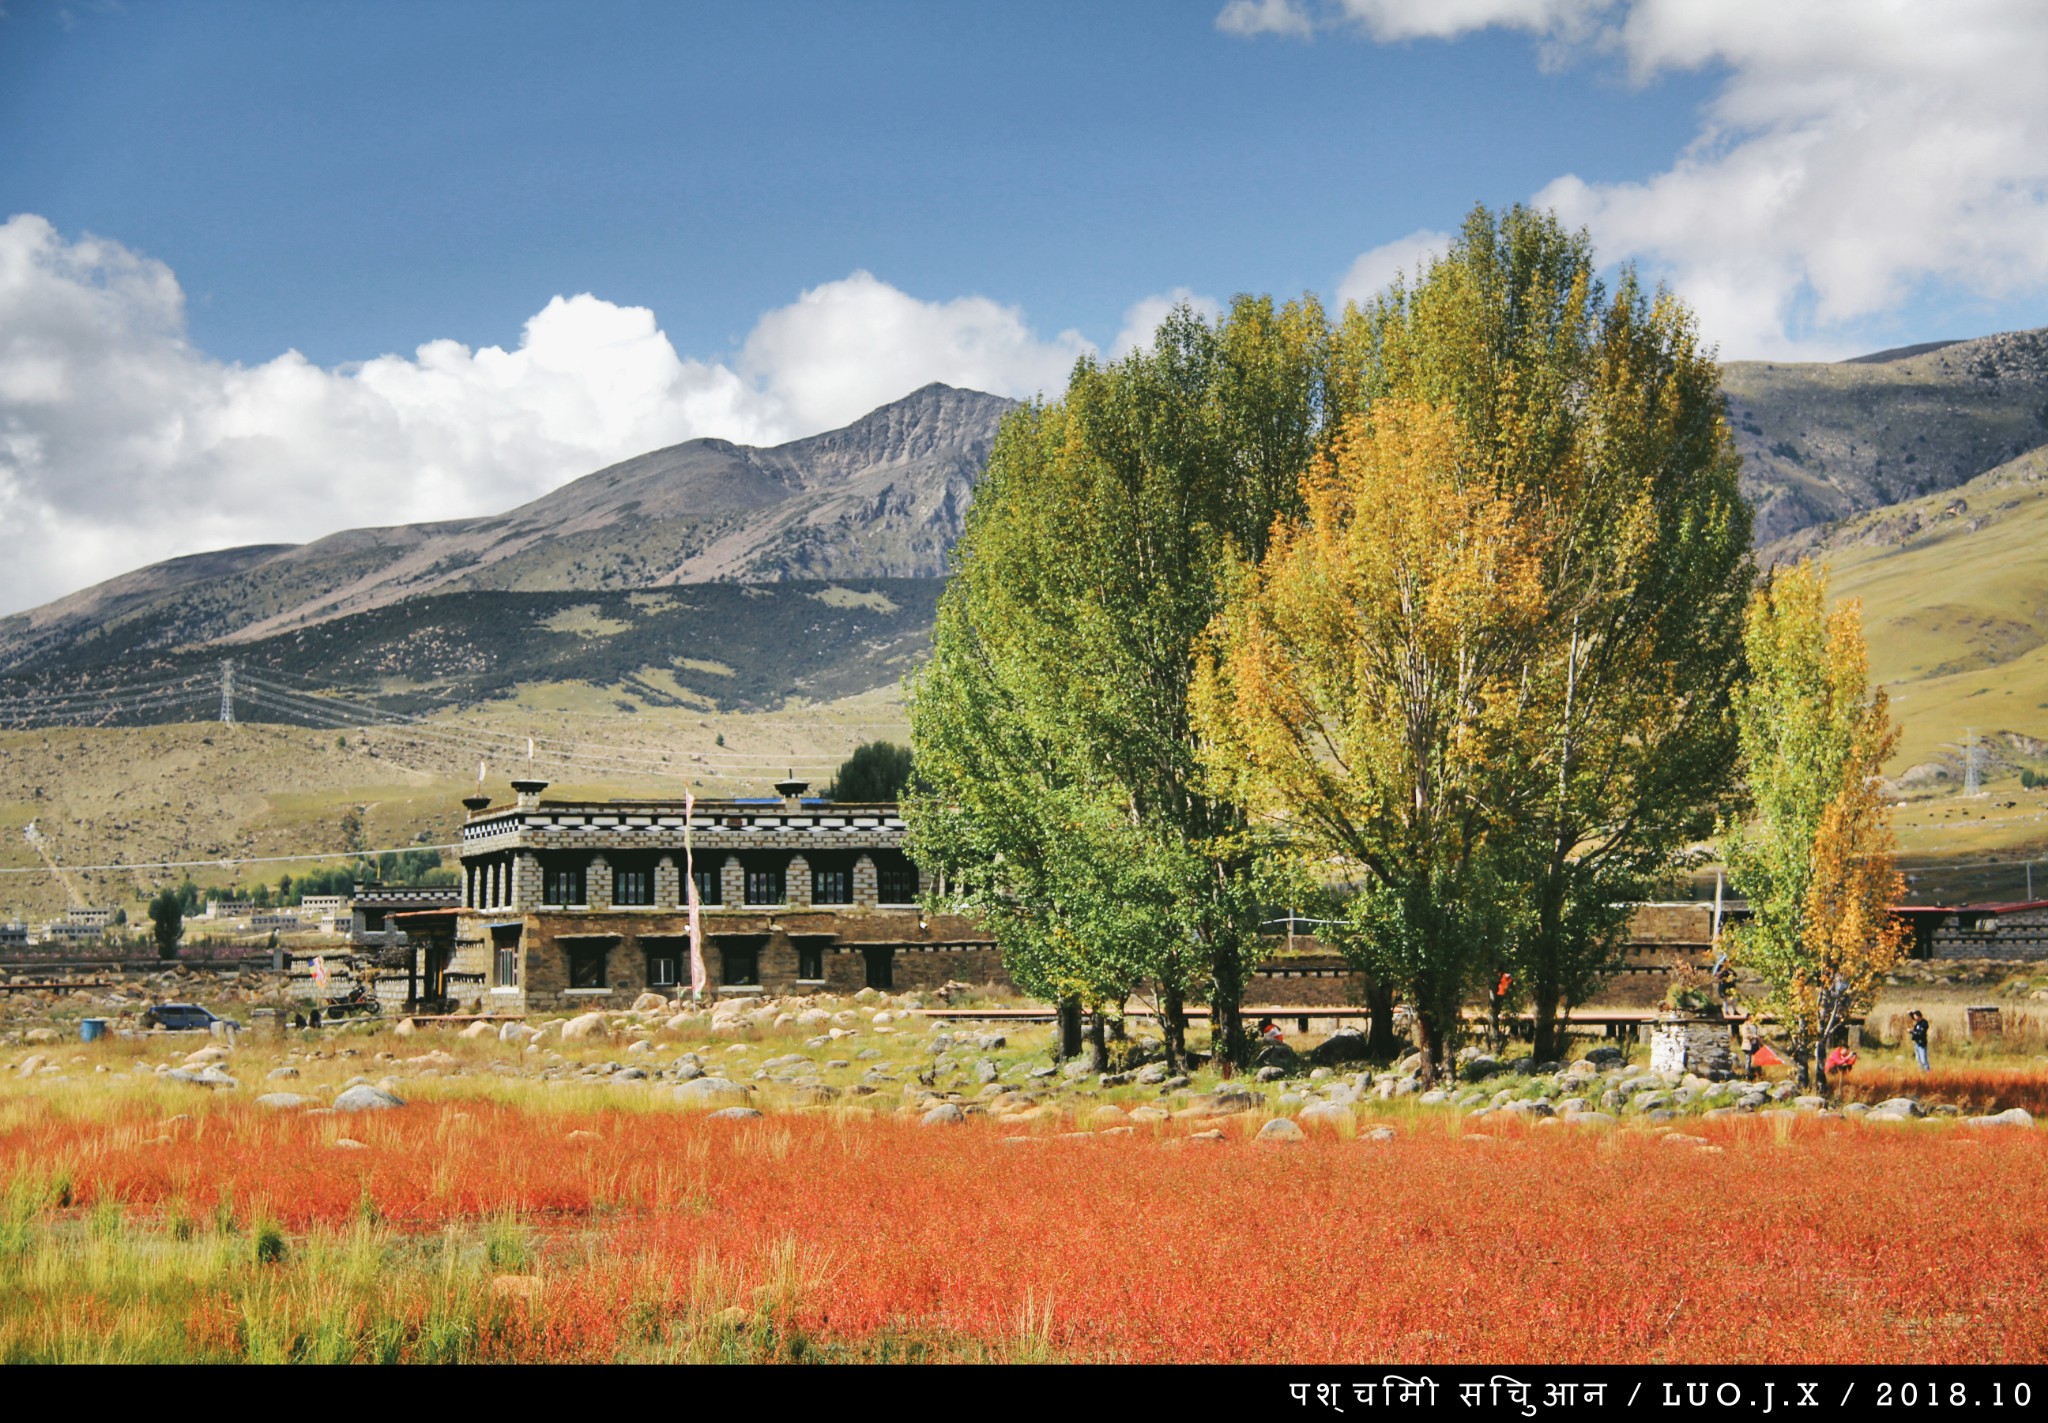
x=1752 y=1039
x=1918 y=1032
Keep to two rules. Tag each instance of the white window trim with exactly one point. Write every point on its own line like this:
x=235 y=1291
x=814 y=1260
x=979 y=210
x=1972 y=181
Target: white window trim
x=588 y=992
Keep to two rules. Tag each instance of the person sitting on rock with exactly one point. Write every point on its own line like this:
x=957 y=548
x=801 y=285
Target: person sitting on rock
x=1840 y=1061
x=1269 y=1031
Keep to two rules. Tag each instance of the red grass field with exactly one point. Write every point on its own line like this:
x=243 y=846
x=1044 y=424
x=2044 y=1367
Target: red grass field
x=1805 y=1241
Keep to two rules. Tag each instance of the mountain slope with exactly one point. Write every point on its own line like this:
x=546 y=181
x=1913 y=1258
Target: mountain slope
x=1823 y=441
x=883 y=497
x=1954 y=588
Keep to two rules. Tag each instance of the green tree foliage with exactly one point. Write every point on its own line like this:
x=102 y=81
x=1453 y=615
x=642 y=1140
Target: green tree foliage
x=1057 y=783
x=1815 y=862
x=1601 y=418
x=1534 y=760
x=167 y=922
x=876 y=771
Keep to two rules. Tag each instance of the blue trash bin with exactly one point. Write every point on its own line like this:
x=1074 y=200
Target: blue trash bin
x=92 y=1029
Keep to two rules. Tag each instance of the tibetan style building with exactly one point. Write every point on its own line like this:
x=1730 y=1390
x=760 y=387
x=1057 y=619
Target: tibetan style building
x=568 y=905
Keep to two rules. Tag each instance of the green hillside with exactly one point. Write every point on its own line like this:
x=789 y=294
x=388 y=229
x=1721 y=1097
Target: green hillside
x=1955 y=601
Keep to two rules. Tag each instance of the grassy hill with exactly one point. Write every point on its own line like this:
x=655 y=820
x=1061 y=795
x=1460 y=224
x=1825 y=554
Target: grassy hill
x=204 y=791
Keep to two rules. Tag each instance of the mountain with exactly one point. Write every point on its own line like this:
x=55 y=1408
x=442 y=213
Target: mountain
x=884 y=497
x=1822 y=441
x=715 y=574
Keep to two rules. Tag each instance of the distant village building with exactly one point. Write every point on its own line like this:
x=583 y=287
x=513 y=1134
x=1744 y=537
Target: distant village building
x=229 y=908
x=13 y=936
x=68 y=930
x=272 y=922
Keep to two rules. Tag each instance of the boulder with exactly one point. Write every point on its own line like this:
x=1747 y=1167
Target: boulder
x=281 y=1101
x=1270 y=1073
x=1278 y=1055
x=364 y=1098
x=1281 y=1129
x=1379 y=1134
x=479 y=1030
x=588 y=1025
x=650 y=1003
x=710 y=1091
x=1900 y=1106
x=405 y=1028
x=1478 y=1069
x=347 y=1143
x=29 y=1064
x=1590 y=1119
x=1328 y=1113
x=1149 y=1114
x=1108 y=1116
x=40 y=1035
x=281 y=1074
x=1344 y=1045
x=1528 y=1109
x=2011 y=1117
x=732 y=1114
x=943 y=1115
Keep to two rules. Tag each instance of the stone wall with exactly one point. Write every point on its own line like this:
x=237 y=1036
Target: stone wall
x=1700 y=1045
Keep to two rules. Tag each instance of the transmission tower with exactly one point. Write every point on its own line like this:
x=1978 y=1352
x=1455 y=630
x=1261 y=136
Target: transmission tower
x=1969 y=761
x=227 y=690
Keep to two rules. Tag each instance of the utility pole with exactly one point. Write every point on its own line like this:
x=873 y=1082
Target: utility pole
x=227 y=690
x=1969 y=760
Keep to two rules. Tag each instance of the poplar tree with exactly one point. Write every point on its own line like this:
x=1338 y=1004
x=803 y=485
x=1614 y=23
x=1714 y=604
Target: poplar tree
x=1592 y=425
x=1057 y=779
x=1815 y=862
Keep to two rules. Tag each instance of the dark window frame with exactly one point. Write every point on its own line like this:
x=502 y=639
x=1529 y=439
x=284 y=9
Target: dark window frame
x=558 y=878
x=739 y=965
x=674 y=964
x=831 y=884
x=582 y=959
x=710 y=884
x=810 y=963
x=896 y=877
x=633 y=888
x=761 y=880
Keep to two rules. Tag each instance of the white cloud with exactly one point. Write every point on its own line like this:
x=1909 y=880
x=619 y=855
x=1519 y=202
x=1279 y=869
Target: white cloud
x=1855 y=155
x=122 y=444
x=1373 y=271
x=844 y=348
x=1265 y=17
x=1142 y=318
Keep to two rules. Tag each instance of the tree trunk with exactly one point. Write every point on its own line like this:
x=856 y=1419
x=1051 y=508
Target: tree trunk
x=1173 y=1024
x=1066 y=1042
x=1098 y=1047
x=1379 y=1001
x=1226 y=1013
x=1543 y=1001
x=1431 y=1033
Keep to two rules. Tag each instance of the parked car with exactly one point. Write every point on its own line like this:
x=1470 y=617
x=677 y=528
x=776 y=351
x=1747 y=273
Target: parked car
x=184 y=1018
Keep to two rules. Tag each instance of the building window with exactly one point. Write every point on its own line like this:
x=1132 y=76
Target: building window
x=896 y=884
x=831 y=886
x=709 y=890
x=663 y=970
x=586 y=967
x=505 y=957
x=739 y=965
x=881 y=967
x=633 y=887
x=562 y=886
x=765 y=886
x=810 y=962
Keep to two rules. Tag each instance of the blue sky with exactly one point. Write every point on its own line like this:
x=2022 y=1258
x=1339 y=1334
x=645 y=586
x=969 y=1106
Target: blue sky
x=272 y=269
x=351 y=179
